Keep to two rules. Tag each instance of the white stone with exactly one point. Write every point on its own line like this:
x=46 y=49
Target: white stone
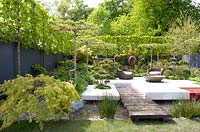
x=99 y=94
x=165 y=90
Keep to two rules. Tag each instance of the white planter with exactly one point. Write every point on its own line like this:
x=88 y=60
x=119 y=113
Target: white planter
x=99 y=94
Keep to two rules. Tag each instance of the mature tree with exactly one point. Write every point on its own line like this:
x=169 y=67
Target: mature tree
x=118 y=7
x=123 y=25
x=100 y=16
x=153 y=17
x=108 y=12
x=63 y=8
x=75 y=11
x=183 y=34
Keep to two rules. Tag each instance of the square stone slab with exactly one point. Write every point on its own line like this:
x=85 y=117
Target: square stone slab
x=99 y=94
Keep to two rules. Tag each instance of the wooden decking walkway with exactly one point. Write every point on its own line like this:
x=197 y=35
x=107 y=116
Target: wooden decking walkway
x=139 y=107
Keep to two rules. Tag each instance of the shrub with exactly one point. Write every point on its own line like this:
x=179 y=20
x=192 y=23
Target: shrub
x=102 y=86
x=60 y=73
x=186 y=108
x=168 y=72
x=40 y=99
x=107 y=69
x=122 y=59
x=83 y=80
x=82 y=52
x=38 y=69
x=182 y=73
x=69 y=64
x=107 y=108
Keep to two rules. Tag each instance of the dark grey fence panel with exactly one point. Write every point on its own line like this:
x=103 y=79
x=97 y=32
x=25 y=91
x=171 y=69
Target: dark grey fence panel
x=193 y=60
x=29 y=57
x=50 y=61
x=7 y=62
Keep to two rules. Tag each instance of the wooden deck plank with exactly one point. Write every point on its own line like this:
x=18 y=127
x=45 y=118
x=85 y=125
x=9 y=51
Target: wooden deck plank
x=140 y=107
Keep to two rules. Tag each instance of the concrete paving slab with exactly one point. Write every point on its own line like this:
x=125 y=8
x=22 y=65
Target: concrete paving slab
x=164 y=90
x=99 y=94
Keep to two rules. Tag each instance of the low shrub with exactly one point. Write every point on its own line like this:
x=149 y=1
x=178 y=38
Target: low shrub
x=107 y=107
x=41 y=99
x=83 y=80
x=122 y=59
x=61 y=73
x=106 y=69
x=178 y=72
x=182 y=73
x=186 y=108
x=102 y=86
x=38 y=69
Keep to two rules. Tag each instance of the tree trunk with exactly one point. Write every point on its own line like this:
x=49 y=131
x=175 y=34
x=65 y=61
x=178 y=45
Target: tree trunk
x=18 y=43
x=75 y=67
x=18 y=58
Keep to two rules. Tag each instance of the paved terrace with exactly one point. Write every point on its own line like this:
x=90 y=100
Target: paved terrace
x=165 y=90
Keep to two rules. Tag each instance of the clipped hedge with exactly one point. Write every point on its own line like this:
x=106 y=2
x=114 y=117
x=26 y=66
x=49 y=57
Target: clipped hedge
x=133 y=39
x=128 y=44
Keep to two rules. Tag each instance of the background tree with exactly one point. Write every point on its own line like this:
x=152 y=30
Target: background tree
x=63 y=8
x=108 y=12
x=183 y=34
x=75 y=11
x=153 y=17
x=100 y=17
x=122 y=25
x=118 y=7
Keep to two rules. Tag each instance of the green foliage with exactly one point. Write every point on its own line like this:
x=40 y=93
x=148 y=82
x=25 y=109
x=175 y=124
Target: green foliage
x=182 y=73
x=38 y=69
x=117 y=8
x=102 y=86
x=107 y=108
x=41 y=99
x=130 y=44
x=184 y=34
x=62 y=72
x=177 y=70
x=27 y=22
x=122 y=59
x=186 y=108
x=82 y=54
x=75 y=11
x=105 y=69
x=122 y=25
x=84 y=79
x=100 y=16
x=153 y=17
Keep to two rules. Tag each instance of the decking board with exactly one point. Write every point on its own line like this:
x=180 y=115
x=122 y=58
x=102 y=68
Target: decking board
x=140 y=107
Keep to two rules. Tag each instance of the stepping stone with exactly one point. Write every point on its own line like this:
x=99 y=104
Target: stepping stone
x=77 y=105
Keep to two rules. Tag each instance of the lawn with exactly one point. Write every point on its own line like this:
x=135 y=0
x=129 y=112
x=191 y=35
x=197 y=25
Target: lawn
x=176 y=125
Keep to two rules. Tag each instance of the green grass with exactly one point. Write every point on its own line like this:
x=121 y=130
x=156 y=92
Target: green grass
x=177 y=125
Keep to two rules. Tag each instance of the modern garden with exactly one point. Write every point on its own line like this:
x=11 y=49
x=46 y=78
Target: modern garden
x=124 y=66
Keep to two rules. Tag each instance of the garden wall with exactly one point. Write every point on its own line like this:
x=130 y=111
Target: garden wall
x=29 y=57
x=194 y=60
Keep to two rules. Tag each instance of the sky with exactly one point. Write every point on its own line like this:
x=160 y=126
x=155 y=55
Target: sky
x=94 y=3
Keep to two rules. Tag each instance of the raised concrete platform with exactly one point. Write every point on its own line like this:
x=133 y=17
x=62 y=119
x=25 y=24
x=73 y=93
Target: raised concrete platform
x=99 y=94
x=164 y=90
